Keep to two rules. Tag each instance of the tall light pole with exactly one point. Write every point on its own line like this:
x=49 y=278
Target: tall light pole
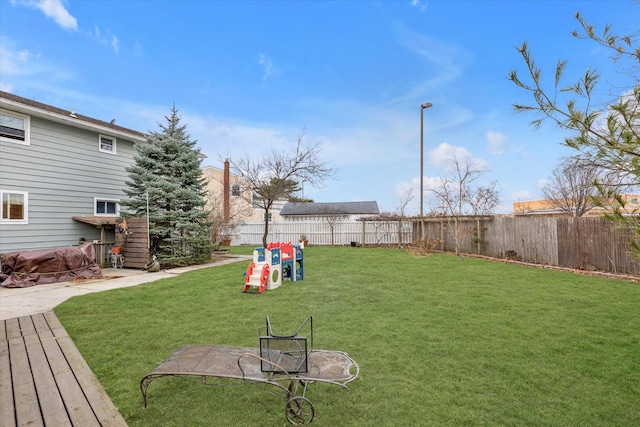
x=422 y=108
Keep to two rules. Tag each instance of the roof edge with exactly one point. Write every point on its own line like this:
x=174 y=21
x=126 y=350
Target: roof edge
x=19 y=104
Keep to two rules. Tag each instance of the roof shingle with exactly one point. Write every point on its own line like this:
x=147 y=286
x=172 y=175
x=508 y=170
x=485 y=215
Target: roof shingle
x=346 y=208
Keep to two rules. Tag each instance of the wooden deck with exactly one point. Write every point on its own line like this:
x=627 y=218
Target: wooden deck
x=44 y=381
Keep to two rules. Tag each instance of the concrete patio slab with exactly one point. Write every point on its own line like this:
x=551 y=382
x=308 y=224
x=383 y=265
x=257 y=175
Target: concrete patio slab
x=18 y=302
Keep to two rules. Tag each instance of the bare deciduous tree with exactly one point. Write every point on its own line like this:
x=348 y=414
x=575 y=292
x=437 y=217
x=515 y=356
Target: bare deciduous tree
x=277 y=175
x=225 y=223
x=484 y=200
x=572 y=187
x=457 y=196
x=401 y=211
x=333 y=216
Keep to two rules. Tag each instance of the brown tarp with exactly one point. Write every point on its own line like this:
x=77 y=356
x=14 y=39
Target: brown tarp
x=38 y=267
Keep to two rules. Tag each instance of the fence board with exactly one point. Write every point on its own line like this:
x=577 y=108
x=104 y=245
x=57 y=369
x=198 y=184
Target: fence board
x=581 y=243
x=319 y=233
x=594 y=244
x=134 y=243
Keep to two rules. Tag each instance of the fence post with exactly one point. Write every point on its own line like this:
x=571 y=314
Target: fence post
x=479 y=235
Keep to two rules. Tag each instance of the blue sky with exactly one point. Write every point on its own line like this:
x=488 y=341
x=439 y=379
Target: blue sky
x=249 y=76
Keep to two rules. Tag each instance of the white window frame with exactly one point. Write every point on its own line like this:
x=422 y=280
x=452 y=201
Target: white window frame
x=105 y=200
x=27 y=128
x=24 y=220
x=110 y=138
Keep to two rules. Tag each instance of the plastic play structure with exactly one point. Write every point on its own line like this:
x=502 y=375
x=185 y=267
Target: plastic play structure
x=273 y=263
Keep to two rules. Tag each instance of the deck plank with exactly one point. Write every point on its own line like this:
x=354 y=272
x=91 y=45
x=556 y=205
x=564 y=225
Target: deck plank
x=40 y=323
x=7 y=408
x=3 y=331
x=105 y=411
x=26 y=326
x=51 y=406
x=27 y=409
x=78 y=408
x=54 y=325
x=13 y=328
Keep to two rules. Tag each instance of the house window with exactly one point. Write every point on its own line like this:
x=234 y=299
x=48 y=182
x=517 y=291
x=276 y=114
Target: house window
x=107 y=144
x=14 y=127
x=235 y=190
x=270 y=217
x=106 y=207
x=14 y=207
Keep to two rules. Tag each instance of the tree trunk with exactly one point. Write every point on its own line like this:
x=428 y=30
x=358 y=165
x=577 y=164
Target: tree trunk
x=266 y=228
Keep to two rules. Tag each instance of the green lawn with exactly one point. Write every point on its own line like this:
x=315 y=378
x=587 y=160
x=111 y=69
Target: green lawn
x=440 y=341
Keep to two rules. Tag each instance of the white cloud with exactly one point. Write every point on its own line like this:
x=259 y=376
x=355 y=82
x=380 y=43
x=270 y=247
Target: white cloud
x=408 y=195
x=403 y=188
x=115 y=43
x=445 y=154
x=22 y=64
x=107 y=39
x=267 y=65
x=228 y=137
x=496 y=142
x=54 y=9
x=420 y=4
x=14 y=62
x=542 y=183
x=431 y=182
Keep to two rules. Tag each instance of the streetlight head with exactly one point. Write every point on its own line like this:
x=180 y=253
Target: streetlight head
x=426 y=105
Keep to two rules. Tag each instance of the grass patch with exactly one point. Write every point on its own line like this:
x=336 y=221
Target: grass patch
x=440 y=341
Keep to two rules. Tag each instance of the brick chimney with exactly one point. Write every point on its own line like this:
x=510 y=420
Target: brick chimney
x=226 y=188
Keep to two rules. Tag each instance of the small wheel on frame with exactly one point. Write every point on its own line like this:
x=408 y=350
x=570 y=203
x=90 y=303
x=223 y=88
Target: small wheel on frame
x=299 y=410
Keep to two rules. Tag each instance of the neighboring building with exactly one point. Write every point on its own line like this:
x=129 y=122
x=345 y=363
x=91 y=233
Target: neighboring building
x=323 y=224
x=229 y=193
x=546 y=207
x=225 y=193
x=310 y=211
x=62 y=175
x=275 y=213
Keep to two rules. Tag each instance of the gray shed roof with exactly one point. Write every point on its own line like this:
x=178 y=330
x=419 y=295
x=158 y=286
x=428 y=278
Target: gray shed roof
x=346 y=208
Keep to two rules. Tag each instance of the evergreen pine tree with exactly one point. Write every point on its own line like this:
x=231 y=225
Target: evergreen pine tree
x=167 y=169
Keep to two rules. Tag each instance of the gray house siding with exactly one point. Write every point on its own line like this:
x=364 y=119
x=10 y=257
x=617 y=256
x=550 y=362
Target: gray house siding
x=62 y=171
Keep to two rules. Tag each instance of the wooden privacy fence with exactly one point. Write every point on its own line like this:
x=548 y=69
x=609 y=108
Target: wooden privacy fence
x=134 y=242
x=320 y=233
x=581 y=243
